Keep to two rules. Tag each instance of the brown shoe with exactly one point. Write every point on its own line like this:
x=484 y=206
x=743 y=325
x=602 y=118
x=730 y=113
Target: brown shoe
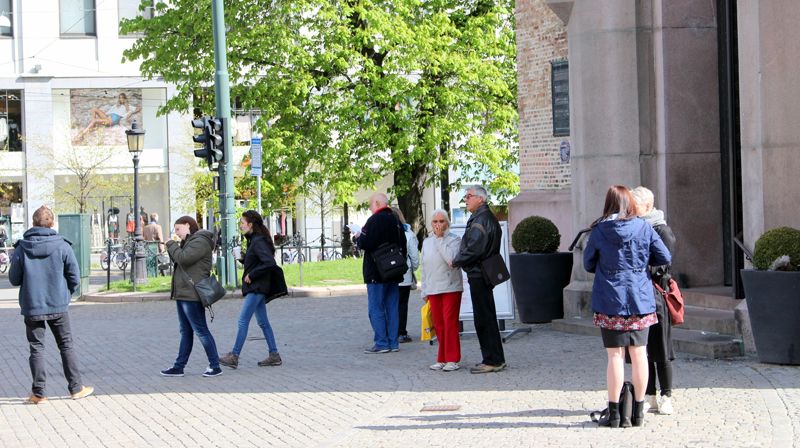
x=486 y=368
x=84 y=392
x=273 y=359
x=229 y=360
x=33 y=399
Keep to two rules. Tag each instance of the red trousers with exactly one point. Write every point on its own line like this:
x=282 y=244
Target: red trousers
x=444 y=310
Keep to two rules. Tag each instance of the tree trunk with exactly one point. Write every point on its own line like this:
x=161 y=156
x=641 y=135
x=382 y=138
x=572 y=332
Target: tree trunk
x=410 y=180
x=444 y=178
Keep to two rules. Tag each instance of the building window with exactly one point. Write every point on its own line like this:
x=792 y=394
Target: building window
x=11 y=120
x=559 y=85
x=78 y=18
x=129 y=9
x=6 y=19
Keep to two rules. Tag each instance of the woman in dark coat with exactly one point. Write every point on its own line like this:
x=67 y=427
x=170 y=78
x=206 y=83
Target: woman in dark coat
x=259 y=261
x=192 y=258
x=620 y=248
x=660 y=352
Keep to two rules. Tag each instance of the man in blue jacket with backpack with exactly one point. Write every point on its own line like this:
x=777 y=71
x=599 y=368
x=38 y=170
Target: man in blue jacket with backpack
x=45 y=269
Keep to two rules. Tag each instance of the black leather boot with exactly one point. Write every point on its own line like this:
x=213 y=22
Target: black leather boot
x=612 y=418
x=637 y=418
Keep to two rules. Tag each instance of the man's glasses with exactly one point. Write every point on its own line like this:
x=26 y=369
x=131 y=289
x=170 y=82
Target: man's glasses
x=468 y=196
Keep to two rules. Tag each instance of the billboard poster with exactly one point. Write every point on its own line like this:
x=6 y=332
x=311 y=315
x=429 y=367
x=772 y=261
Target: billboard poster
x=101 y=116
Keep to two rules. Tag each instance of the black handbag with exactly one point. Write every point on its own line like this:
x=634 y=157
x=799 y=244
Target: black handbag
x=625 y=407
x=494 y=270
x=208 y=290
x=389 y=261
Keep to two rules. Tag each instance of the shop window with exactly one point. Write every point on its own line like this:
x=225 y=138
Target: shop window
x=77 y=17
x=12 y=213
x=11 y=120
x=6 y=19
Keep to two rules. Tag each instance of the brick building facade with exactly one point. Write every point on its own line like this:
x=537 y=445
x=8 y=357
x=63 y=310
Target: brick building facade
x=541 y=39
x=545 y=177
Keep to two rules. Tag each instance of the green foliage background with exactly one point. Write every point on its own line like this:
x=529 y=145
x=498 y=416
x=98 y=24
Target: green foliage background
x=351 y=91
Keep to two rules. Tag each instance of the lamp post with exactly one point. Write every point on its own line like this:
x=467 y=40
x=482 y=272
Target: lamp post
x=135 y=145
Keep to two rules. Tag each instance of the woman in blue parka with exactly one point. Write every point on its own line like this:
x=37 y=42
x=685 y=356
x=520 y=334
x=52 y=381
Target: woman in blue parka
x=620 y=248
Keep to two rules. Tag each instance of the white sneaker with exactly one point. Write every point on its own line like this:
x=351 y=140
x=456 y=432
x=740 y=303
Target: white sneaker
x=665 y=405
x=650 y=403
x=451 y=366
x=438 y=366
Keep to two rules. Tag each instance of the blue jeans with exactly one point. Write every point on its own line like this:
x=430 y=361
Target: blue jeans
x=192 y=320
x=382 y=303
x=254 y=303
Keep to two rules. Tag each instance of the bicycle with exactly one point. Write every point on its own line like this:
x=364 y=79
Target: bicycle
x=162 y=261
x=294 y=254
x=329 y=252
x=5 y=260
x=120 y=256
x=294 y=249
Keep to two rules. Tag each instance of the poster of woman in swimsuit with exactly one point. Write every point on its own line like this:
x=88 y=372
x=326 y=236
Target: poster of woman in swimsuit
x=104 y=114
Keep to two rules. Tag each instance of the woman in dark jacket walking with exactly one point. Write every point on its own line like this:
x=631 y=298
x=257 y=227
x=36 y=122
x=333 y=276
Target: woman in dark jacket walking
x=620 y=248
x=259 y=261
x=660 y=352
x=192 y=259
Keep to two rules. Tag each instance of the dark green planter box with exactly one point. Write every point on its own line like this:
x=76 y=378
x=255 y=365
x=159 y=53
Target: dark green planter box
x=773 y=302
x=539 y=281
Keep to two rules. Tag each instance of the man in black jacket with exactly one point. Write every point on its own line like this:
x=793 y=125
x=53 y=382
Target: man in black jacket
x=481 y=240
x=382 y=293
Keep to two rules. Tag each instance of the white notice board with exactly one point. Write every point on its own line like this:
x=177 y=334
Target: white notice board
x=503 y=293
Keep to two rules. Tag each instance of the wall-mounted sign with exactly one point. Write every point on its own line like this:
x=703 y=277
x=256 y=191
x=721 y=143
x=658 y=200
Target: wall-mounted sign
x=559 y=84
x=564 y=151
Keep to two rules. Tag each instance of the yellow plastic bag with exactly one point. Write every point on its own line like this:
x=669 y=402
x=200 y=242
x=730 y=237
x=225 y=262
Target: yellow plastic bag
x=428 y=332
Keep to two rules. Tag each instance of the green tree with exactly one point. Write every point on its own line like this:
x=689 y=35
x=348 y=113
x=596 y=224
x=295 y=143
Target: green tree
x=359 y=88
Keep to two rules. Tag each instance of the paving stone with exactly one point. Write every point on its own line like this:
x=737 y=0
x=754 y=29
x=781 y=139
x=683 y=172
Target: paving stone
x=328 y=393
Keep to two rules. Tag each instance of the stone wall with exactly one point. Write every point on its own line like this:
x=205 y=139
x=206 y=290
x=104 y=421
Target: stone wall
x=541 y=38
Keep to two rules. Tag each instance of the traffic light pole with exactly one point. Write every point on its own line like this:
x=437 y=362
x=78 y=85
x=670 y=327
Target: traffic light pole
x=222 y=93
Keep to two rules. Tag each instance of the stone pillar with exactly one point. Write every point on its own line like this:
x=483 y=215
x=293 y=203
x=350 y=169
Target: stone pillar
x=644 y=111
x=605 y=117
x=684 y=168
x=769 y=112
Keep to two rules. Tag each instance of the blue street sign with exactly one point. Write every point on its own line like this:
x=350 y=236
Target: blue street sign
x=255 y=157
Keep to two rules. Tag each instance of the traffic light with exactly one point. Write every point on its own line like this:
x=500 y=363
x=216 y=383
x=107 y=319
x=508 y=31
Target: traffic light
x=211 y=139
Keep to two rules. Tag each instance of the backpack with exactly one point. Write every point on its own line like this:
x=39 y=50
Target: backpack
x=625 y=407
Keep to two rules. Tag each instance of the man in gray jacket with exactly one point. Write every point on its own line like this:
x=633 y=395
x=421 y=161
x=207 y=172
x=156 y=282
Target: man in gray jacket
x=45 y=269
x=481 y=240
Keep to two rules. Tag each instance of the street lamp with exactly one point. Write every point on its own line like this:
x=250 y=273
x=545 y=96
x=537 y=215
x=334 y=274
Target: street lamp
x=135 y=146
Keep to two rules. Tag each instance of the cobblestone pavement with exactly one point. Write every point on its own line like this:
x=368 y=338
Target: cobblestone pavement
x=328 y=393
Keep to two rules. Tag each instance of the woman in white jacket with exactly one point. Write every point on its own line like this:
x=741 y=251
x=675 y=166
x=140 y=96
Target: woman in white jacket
x=442 y=287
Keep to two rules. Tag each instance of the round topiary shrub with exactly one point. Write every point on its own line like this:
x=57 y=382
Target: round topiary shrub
x=776 y=243
x=536 y=235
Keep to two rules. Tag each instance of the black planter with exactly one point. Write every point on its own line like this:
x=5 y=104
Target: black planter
x=539 y=281
x=773 y=302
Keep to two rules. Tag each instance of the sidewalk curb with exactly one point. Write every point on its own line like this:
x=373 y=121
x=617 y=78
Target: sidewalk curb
x=133 y=297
